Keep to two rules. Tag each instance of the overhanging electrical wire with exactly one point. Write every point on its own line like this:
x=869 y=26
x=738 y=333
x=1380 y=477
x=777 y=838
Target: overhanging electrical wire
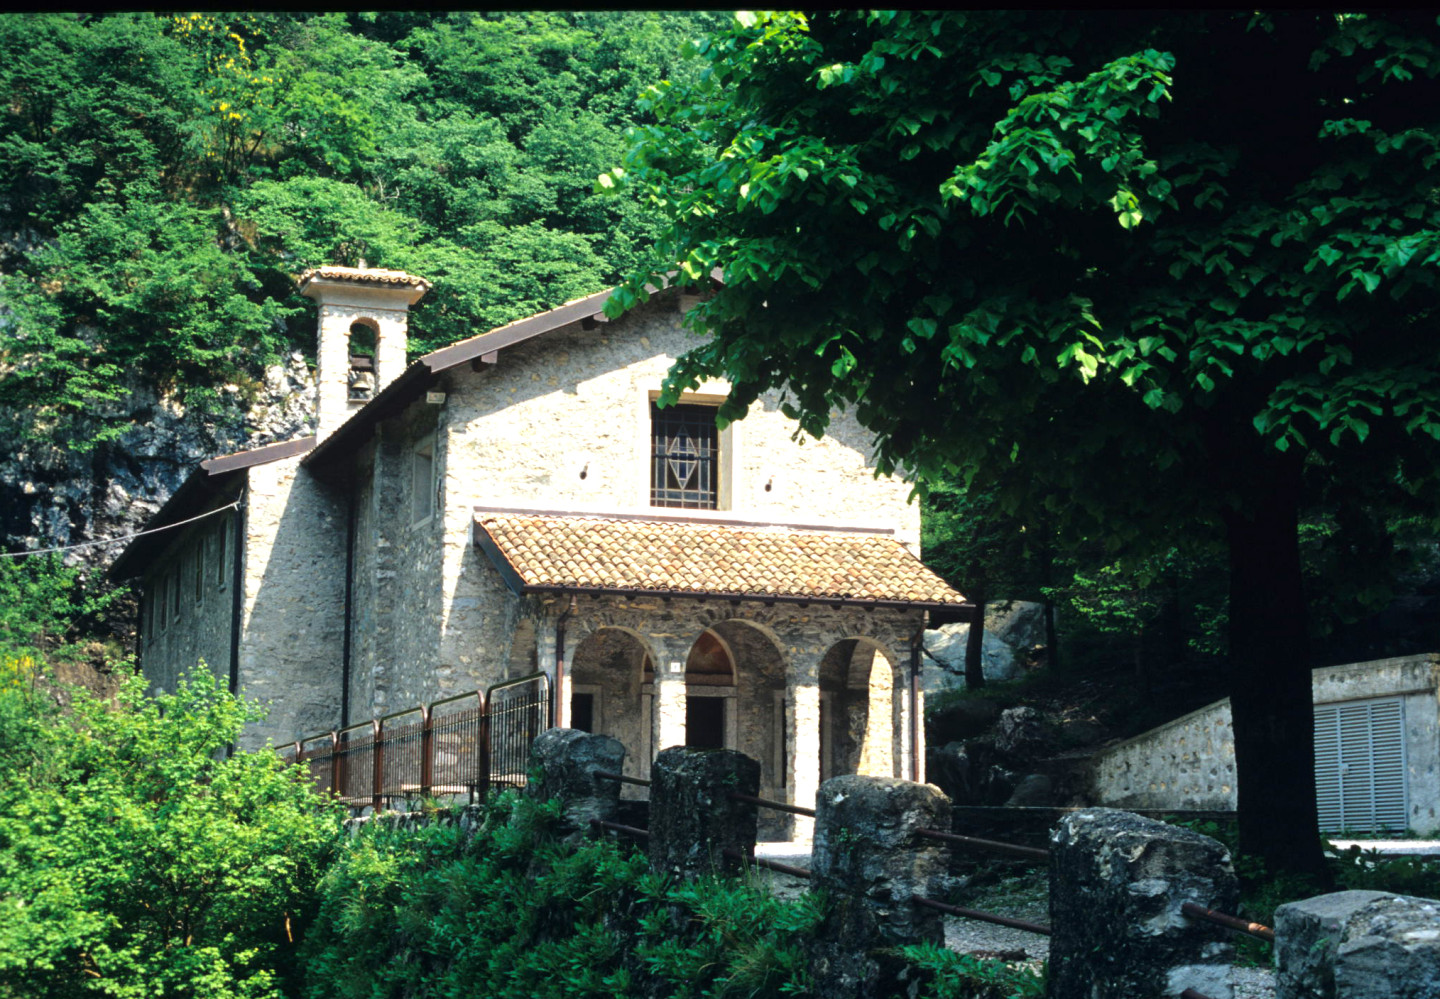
x=124 y=537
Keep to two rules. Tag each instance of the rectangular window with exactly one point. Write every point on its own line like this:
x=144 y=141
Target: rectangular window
x=175 y=588
x=684 y=457
x=162 y=603
x=221 y=543
x=199 y=568
x=422 y=483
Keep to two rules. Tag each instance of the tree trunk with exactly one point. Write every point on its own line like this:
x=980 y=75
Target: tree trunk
x=1270 y=696
x=975 y=644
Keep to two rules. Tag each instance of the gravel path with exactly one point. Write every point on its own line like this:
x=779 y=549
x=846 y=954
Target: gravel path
x=1019 y=901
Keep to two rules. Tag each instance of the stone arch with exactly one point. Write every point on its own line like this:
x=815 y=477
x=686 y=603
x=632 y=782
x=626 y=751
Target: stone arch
x=362 y=349
x=761 y=668
x=858 y=704
x=604 y=684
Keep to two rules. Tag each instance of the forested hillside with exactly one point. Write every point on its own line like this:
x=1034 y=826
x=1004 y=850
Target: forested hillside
x=164 y=177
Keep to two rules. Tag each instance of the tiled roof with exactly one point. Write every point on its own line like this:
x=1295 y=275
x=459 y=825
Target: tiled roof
x=363 y=275
x=546 y=552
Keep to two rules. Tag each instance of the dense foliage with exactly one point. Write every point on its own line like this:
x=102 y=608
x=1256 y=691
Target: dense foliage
x=164 y=177
x=137 y=858
x=45 y=605
x=1169 y=276
x=520 y=909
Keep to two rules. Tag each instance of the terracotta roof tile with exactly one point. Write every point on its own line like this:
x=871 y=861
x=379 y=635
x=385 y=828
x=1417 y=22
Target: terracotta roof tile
x=549 y=552
x=364 y=275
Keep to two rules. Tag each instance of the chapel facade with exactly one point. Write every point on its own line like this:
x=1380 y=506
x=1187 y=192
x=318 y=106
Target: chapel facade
x=518 y=502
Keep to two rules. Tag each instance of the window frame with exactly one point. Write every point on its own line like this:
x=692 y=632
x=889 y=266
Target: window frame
x=425 y=448
x=716 y=463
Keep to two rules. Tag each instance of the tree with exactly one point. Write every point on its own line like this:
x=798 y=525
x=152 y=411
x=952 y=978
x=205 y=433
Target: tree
x=1162 y=275
x=137 y=858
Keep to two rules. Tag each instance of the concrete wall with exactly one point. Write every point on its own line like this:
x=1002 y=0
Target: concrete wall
x=200 y=629
x=1190 y=762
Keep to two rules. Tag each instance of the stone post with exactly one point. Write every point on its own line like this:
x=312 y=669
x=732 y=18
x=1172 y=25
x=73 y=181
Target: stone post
x=1117 y=882
x=1357 y=945
x=568 y=760
x=693 y=821
x=869 y=859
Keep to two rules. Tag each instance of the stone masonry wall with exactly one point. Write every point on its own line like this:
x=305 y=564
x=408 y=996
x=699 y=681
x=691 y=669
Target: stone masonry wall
x=433 y=617
x=197 y=624
x=293 y=615
x=1190 y=762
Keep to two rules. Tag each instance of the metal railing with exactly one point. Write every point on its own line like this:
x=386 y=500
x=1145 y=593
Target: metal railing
x=800 y=872
x=463 y=745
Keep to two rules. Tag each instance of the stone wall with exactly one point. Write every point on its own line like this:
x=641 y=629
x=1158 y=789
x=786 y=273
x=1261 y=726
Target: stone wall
x=1190 y=762
x=194 y=622
x=293 y=615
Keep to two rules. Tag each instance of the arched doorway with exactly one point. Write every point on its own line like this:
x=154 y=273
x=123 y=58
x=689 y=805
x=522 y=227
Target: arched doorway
x=604 y=689
x=857 y=710
x=710 y=718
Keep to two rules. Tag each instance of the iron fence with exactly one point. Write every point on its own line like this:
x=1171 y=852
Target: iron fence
x=462 y=745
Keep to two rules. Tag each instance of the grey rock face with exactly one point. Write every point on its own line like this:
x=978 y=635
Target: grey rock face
x=1022 y=733
x=1012 y=629
x=51 y=495
x=1390 y=950
x=568 y=759
x=1034 y=790
x=693 y=820
x=1117 y=883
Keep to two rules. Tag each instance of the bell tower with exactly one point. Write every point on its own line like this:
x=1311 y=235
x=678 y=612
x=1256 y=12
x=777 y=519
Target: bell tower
x=364 y=319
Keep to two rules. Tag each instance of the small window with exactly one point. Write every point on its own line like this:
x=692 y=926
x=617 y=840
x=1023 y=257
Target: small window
x=175 y=596
x=199 y=568
x=684 y=457
x=222 y=540
x=422 y=483
x=147 y=620
x=162 y=603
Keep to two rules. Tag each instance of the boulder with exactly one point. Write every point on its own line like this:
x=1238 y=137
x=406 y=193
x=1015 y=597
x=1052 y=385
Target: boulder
x=966 y=718
x=1033 y=791
x=1023 y=733
x=1390 y=950
x=1307 y=936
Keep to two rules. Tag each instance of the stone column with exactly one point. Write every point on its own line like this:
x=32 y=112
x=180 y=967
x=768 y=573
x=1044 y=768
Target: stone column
x=802 y=739
x=871 y=862
x=568 y=760
x=669 y=704
x=693 y=821
x=1117 y=882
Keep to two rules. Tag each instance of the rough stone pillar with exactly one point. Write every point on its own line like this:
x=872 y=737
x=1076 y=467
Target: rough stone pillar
x=568 y=760
x=869 y=859
x=693 y=821
x=1117 y=882
x=802 y=740
x=1307 y=937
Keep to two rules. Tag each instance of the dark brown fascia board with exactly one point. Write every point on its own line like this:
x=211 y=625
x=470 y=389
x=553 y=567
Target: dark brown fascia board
x=513 y=580
x=258 y=456
x=209 y=479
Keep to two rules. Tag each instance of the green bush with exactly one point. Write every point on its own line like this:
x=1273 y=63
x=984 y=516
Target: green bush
x=139 y=858
x=518 y=912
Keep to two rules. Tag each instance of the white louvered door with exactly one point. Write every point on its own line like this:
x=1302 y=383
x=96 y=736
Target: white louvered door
x=1360 y=765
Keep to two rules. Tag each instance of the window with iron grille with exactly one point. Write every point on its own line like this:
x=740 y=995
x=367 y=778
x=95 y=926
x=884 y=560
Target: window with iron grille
x=684 y=457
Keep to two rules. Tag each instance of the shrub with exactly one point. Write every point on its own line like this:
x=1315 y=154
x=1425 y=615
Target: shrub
x=138 y=857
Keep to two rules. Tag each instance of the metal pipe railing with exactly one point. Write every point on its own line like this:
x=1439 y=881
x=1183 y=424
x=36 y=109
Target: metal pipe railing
x=988 y=917
x=998 y=846
x=618 y=827
x=769 y=865
x=623 y=778
x=1257 y=930
x=779 y=806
